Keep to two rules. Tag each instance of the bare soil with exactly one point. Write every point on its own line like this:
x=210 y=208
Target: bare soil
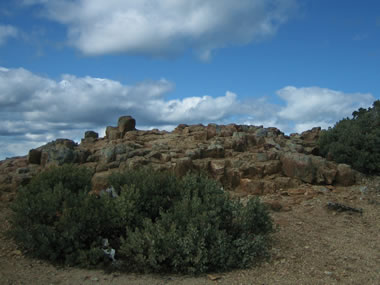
x=313 y=245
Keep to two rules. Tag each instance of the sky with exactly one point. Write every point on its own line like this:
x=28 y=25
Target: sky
x=68 y=66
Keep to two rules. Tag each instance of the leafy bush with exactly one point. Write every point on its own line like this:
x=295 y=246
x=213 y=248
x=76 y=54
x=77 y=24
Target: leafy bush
x=158 y=223
x=355 y=141
x=56 y=219
x=197 y=227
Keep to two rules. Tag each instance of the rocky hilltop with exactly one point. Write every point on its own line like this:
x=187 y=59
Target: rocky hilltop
x=245 y=159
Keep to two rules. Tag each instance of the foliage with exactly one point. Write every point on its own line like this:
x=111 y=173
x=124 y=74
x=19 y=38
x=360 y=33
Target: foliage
x=158 y=223
x=55 y=218
x=198 y=228
x=355 y=141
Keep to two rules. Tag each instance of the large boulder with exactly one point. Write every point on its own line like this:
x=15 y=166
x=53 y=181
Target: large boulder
x=315 y=169
x=325 y=171
x=183 y=166
x=214 y=150
x=298 y=165
x=346 y=175
x=91 y=134
x=311 y=136
x=126 y=124
x=113 y=133
x=59 y=152
x=34 y=156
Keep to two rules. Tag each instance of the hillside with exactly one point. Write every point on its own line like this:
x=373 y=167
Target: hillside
x=315 y=244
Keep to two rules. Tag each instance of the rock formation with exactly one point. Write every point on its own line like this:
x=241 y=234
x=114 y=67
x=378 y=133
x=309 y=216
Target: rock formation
x=245 y=159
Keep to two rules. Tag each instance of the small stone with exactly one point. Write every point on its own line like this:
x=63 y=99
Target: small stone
x=95 y=279
x=214 y=277
x=16 y=252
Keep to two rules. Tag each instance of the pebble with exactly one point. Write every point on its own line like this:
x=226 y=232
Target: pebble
x=213 y=277
x=16 y=252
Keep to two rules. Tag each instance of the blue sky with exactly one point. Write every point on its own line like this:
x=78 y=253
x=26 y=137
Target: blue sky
x=71 y=65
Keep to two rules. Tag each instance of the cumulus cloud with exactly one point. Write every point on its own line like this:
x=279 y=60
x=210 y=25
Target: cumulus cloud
x=36 y=109
x=315 y=106
x=166 y=27
x=6 y=32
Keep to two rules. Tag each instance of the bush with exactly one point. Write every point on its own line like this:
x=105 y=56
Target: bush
x=196 y=229
x=56 y=219
x=355 y=141
x=158 y=223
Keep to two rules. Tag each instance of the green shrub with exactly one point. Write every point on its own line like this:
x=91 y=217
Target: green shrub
x=355 y=141
x=158 y=223
x=199 y=229
x=56 y=219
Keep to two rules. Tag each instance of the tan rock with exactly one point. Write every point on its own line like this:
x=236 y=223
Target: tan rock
x=183 y=166
x=100 y=180
x=249 y=186
x=345 y=176
x=218 y=167
x=296 y=191
x=113 y=133
x=126 y=124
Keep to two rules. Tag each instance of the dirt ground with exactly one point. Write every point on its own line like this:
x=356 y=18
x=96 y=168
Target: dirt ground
x=313 y=245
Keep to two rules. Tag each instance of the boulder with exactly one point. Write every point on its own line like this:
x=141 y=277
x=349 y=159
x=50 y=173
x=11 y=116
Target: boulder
x=345 y=176
x=99 y=180
x=126 y=124
x=113 y=133
x=108 y=154
x=183 y=166
x=180 y=128
x=298 y=165
x=58 y=152
x=325 y=171
x=213 y=130
x=91 y=134
x=250 y=186
x=217 y=167
x=215 y=150
x=311 y=135
x=309 y=168
x=34 y=156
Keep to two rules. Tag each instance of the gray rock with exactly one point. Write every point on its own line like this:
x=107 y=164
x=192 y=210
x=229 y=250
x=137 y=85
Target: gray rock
x=91 y=134
x=59 y=152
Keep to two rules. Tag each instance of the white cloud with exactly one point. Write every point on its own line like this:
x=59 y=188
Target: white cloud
x=36 y=109
x=7 y=31
x=166 y=27
x=315 y=106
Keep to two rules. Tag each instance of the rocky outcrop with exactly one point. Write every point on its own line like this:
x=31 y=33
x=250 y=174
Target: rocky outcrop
x=245 y=159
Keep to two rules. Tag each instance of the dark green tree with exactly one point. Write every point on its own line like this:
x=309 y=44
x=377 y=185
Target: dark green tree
x=355 y=141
